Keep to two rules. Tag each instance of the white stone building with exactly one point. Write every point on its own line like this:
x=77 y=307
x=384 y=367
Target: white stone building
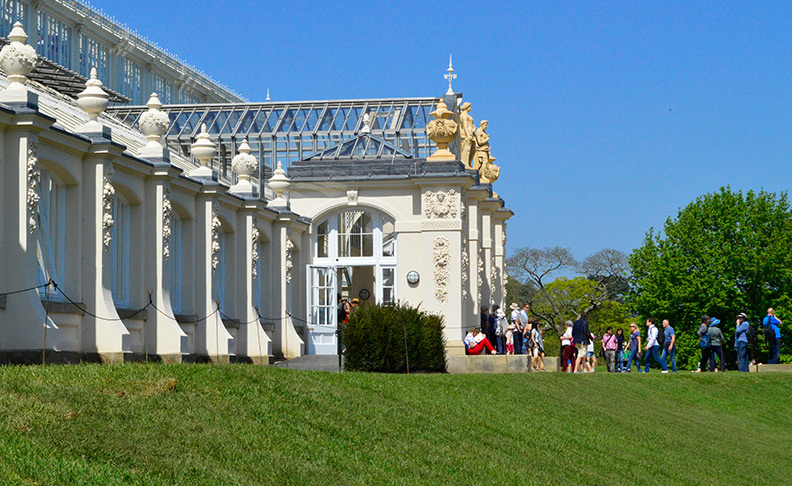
x=170 y=233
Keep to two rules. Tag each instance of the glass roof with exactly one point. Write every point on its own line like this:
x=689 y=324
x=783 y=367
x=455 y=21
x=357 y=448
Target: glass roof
x=361 y=147
x=291 y=131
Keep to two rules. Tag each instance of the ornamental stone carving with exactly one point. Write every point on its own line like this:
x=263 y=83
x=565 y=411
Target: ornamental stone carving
x=217 y=227
x=442 y=261
x=493 y=274
x=465 y=265
x=108 y=195
x=467 y=135
x=279 y=183
x=352 y=197
x=504 y=234
x=34 y=184
x=289 y=264
x=204 y=151
x=255 y=237
x=480 y=269
x=442 y=130
x=167 y=211
x=153 y=123
x=93 y=100
x=17 y=58
x=441 y=205
x=481 y=138
x=244 y=165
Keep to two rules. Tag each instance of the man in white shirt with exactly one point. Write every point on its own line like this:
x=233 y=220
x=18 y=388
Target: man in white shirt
x=652 y=348
x=517 y=335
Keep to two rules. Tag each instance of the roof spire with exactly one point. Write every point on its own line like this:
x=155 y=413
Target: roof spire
x=450 y=76
x=268 y=98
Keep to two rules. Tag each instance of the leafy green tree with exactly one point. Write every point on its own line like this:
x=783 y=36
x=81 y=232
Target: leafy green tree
x=726 y=252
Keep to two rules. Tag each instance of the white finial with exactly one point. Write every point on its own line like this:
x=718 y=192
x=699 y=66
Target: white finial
x=203 y=150
x=154 y=123
x=17 y=59
x=278 y=183
x=450 y=76
x=268 y=98
x=244 y=165
x=366 y=124
x=93 y=100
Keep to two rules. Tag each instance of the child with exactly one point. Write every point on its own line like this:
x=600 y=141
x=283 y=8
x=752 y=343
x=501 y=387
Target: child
x=510 y=339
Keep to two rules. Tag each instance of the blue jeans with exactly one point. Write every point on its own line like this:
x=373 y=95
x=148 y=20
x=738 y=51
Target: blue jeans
x=619 y=360
x=633 y=357
x=774 y=349
x=742 y=356
x=501 y=344
x=666 y=355
x=652 y=353
x=518 y=342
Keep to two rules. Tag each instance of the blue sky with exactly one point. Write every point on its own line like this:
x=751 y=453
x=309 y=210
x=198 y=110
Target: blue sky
x=605 y=117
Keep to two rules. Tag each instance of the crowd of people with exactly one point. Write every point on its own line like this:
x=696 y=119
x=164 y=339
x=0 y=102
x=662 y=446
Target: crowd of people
x=523 y=334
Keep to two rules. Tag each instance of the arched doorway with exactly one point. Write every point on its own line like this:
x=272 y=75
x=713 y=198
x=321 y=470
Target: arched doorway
x=354 y=257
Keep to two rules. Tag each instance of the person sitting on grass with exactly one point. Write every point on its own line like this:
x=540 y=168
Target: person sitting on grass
x=475 y=341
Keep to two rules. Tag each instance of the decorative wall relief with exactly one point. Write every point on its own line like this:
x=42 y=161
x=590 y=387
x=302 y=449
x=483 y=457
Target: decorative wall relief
x=216 y=228
x=504 y=234
x=34 y=182
x=108 y=194
x=352 y=197
x=465 y=265
x=167 y=209
x=254 y=253
x=441 y=205
x=442 y=260
x=480 y=278
x=493 y=275
x=289 y=264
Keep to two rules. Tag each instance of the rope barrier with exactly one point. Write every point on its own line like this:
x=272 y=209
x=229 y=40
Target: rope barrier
x=25 y=290
x=86 y=311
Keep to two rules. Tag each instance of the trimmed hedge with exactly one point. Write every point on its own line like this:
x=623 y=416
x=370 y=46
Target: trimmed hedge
x=386 y=338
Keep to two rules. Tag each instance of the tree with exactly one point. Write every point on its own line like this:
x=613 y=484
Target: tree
x=563 y=299
x=725 y=253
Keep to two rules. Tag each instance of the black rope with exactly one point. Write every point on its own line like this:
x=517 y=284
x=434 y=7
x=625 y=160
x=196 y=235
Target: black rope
x=184 y=322
x=28 y=289
x=86 y=311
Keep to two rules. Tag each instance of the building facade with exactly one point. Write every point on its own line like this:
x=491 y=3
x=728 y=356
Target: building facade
x=173 y=232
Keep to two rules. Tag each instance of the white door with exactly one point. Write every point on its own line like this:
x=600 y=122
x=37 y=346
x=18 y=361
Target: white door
x=322 y=307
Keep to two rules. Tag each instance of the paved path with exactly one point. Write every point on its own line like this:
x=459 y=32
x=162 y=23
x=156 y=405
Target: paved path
x=311 y=362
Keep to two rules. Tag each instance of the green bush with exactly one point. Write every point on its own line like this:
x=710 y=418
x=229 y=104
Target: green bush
x=389 y=338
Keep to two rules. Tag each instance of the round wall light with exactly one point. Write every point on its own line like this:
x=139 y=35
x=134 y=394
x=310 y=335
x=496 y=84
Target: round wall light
x=413 y=277
x=364 y=294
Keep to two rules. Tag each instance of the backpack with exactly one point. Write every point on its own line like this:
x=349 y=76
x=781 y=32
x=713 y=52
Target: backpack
x=705 y=341
x=751 y=333
x=770 y=335
x=660 y=337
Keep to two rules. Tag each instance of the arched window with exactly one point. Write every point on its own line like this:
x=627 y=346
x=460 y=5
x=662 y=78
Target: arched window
x=52 y=230
x=353 y=234
x=119 y=251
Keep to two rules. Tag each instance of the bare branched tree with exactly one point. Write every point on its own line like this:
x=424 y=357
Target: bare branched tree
x=541 y=266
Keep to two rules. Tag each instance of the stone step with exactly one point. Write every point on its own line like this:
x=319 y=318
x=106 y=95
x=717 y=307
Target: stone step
x=771 y=368
x=500 y=363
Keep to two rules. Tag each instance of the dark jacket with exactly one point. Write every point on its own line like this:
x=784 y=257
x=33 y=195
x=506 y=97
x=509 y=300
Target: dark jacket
x=580 y=332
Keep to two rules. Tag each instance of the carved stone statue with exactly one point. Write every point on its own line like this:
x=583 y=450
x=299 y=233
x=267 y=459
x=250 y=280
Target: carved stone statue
x=482 y=147
x=489 y=172
x=467 y=135
x=442 y=130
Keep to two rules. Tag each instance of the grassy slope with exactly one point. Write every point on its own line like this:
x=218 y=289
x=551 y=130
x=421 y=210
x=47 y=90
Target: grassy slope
x=93 y=424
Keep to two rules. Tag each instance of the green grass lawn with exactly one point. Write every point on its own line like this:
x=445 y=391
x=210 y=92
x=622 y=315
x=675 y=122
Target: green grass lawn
x=240 y=425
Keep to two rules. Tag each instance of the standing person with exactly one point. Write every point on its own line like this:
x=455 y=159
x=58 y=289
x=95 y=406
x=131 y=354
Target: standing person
x=517 y=334
x=609 y=344
x=524 y=320
x=567 y=349
x=495 y=326
x=772 y=328
x=652 y=348
x=580 y=335
x=741 y=342
x=591 y=357
x=619 y=349
x=538 y=351
x=716 y=344
x=502 y=324
x=704 y=343
x=635 y=348
x=669 y=347
x=487 y=327
x=510 y=340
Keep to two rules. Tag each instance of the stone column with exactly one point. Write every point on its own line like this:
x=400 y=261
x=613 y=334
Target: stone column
x=286 y=341
x=474 y=236
x=212 y=340
x=107 y=339
x=252 y=343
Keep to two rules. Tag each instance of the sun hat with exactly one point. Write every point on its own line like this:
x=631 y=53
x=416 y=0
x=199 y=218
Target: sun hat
x=714 y=321
x=514 y=306
x=511 y=327
x=742 y=315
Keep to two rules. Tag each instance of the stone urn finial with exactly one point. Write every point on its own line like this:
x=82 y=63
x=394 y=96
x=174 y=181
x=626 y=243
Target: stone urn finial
x=153 y=123
x=442 y=130
x=18 y=58
x=93 y=100
x=366 y=124
x=244 y=165
x=203 y=150
x=279 y=183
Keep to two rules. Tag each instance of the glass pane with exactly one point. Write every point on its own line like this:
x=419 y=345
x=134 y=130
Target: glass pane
x=221 y=118
x=313 y=117
x=410 y=114
x=233 y=119
x=327 y=119
x=286 y=121
x=367 y=249
x=322 y=244
x=352 y=120
x=388 y=237
x=387 y=277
